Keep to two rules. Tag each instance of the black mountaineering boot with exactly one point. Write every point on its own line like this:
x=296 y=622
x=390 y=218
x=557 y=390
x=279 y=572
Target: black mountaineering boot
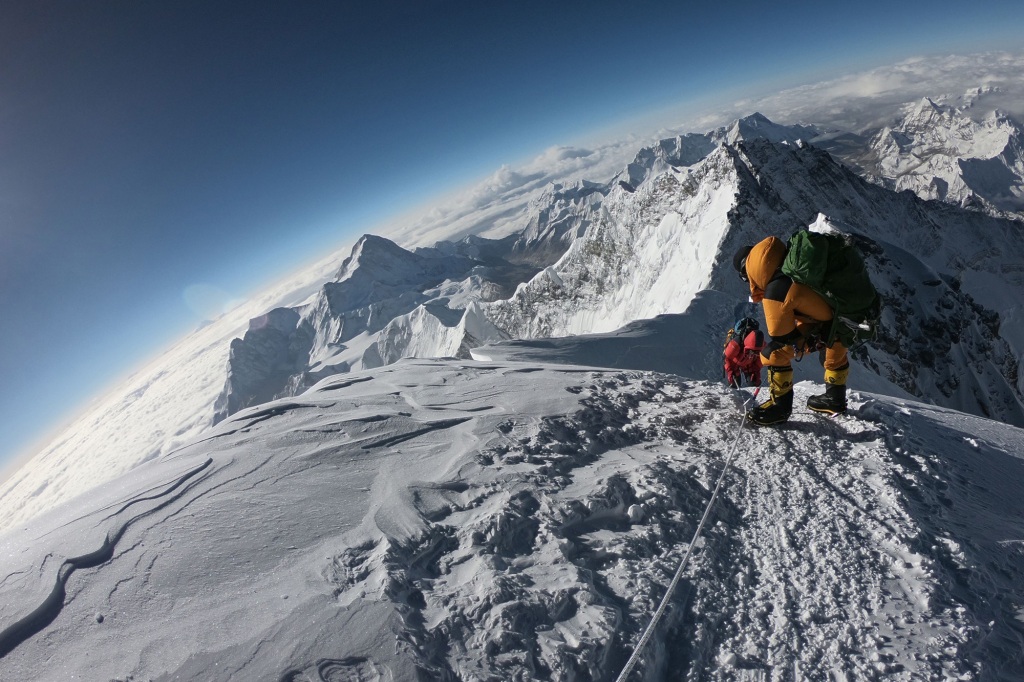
x=833 y=400
x=776 y=409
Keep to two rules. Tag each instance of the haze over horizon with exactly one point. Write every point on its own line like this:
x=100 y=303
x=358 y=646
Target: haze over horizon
x=159 y=162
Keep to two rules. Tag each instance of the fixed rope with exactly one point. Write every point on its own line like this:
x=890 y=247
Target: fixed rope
x=686 y=557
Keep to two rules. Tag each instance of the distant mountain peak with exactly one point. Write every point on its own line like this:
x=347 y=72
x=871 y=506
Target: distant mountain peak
x=755 y=119
x=962 y=156
x=759 y=126
x=374 y=248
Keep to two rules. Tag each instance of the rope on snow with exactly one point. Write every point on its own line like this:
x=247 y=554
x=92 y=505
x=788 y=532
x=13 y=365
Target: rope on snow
x=686 y=557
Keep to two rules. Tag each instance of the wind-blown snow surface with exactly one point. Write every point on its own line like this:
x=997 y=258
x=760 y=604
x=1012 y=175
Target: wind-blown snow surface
x=157 y=409
x=173 y=398
x=446 y=519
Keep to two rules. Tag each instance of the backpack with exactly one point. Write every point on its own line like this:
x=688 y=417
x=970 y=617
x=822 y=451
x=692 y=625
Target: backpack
x=833 y=267
x=740 y=330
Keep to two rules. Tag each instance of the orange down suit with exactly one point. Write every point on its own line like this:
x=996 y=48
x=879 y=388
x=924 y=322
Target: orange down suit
x=791 y=309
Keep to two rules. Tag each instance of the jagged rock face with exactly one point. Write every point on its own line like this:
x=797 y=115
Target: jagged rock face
x=379 y=275
x=683 y=150
x=687 y=150
x=939 y=342
x=638 y=261
x=261 y=359
x=953 y=332
x=559 y=217
x=946 y=276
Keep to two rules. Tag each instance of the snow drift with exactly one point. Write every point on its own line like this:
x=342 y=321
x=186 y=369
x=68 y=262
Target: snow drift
x=475 y=520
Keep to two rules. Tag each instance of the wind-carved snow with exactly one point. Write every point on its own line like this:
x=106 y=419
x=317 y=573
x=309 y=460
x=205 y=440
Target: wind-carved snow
x=466 y=520
x=157 y=409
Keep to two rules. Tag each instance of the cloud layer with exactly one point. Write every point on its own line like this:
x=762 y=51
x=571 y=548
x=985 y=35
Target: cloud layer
x=869 y=99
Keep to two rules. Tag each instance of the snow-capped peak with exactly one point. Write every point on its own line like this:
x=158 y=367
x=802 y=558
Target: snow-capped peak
x=943 y=153
x=517 y=517
x=758 y=126
x=925 y=111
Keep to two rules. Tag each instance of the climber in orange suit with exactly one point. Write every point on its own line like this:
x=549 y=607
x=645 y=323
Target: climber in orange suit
x=794 y=313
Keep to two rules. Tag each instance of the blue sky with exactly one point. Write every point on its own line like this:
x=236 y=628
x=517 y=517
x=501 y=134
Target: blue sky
x=147 y=148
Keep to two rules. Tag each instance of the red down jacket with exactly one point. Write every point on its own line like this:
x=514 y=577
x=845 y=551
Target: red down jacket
x=744 y=361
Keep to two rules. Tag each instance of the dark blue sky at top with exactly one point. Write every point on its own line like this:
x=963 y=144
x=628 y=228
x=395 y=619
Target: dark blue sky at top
x=149 y=146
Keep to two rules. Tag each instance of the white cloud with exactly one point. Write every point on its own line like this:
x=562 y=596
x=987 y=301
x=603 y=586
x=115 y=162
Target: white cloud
x=497 y=205
x=865 y=99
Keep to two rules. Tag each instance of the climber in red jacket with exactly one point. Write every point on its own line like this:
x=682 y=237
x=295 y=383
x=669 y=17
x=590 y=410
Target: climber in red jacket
x=742 y=358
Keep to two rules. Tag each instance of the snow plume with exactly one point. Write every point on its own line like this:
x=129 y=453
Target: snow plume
x=456 y=520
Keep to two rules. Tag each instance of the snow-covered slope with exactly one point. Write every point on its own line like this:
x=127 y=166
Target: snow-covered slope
x=386 y=303
x=511 y=517
x=174 y=397
x=649 y=252
x=480 y=520
x=154 y=411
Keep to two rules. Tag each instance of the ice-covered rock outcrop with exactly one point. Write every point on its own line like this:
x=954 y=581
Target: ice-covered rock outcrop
x=949 y=277
x=386 y=303
x=649 y=252
x=690 y=149
x=634 y=252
